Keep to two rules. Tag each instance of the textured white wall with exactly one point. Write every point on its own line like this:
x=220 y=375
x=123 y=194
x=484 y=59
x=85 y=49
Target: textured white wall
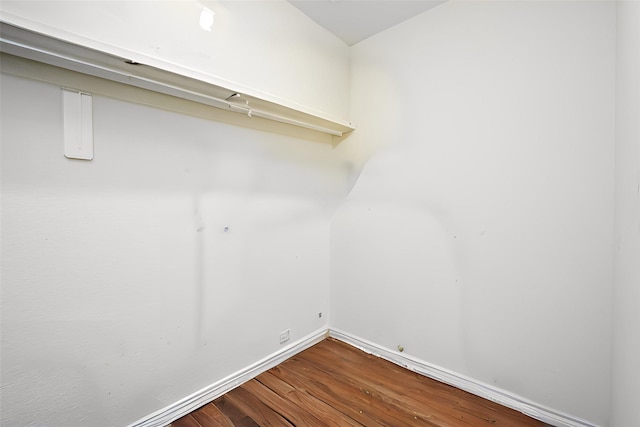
x=121 y=291
x=626 y=308
x=268 y=46
x=479 y=235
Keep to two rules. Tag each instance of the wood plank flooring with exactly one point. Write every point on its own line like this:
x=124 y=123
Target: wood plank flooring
x=335 y=384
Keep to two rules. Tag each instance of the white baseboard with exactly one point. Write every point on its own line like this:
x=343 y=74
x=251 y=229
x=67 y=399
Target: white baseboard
x=165 y=416
x=495 y=394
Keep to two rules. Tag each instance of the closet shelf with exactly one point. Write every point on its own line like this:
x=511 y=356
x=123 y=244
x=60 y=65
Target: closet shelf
x=159 y=76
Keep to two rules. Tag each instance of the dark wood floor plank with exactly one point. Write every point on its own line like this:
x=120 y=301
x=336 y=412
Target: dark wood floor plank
x=214 y=413
x=406 y=407
x=210 y=416
x=303 y=399
x=186 y=421
x=255 y=408
x=408 y=389
x=356 y=395
x=234 y=413
x=375 y=380
x=294 y=414
x=419 y=383
x=333 y=383
x=340 y=395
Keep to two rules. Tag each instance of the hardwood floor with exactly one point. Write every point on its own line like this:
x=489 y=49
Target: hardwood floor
x=334 y=384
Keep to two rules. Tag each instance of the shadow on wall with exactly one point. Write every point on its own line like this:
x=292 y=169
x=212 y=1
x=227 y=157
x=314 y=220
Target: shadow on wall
x=120 y=267
x=395 y=246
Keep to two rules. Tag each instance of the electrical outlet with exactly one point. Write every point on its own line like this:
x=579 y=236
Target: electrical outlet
x=284 y=336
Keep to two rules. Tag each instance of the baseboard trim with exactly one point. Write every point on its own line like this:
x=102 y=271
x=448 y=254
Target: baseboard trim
x=165 y=416
x=478 y=388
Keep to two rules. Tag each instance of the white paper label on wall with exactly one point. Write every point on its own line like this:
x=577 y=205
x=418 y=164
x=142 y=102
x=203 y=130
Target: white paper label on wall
x=78 y=125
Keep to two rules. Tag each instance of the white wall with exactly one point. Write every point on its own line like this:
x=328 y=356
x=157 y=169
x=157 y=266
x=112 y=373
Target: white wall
x=265 y=46
x=626 y=340
x=121 y=291
x=479 y=235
